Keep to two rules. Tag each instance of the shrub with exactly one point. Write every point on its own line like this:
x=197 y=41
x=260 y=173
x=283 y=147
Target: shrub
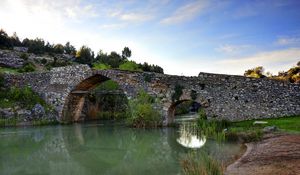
x=24 y=56
x=178 y=92
x=142 y=113
x=130 y=65
x=44 y=61
x=1 y=80
x=101 y=66
x=29 y=67
x=24 y=97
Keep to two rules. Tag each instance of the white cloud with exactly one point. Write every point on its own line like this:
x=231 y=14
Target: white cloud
x=112 y=26
x=232 y=49
x=185 y=13
x=135 y=17
x=288 y=40
x=272 y=61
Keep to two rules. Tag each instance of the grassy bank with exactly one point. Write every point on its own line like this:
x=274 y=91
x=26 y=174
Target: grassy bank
x=286 y=124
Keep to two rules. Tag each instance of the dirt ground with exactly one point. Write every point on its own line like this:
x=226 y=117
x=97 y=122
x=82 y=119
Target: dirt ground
x=275 y=155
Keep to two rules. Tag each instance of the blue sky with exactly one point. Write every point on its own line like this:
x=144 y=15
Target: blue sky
x=184 y=37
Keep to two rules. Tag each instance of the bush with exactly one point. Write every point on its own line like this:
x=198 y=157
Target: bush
x=44 y=61
x=101 y=66
x=142 y=113
x=178 y=92
x=29 y=67
x=24 y=56
x=23 y=97
x=1 y=80
x=130 y=65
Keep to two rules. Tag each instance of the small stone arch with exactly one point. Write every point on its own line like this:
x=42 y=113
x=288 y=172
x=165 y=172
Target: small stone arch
x=75 y=100
x=171 y=109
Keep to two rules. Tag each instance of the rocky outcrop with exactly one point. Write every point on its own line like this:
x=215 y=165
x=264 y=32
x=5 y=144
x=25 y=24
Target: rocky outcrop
x=10 y=59
x=26 y=115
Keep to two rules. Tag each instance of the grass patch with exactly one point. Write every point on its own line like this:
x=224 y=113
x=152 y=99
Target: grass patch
x=288 y=124
x=201 y=165
x=8 y=70
x=8 y=122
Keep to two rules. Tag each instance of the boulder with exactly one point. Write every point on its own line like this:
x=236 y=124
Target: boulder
x=268 y=129
x=38 y=111
x=6 y=113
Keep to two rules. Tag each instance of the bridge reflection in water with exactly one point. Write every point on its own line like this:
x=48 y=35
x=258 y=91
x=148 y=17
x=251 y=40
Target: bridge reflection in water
x=101 y=148
x=189 y=137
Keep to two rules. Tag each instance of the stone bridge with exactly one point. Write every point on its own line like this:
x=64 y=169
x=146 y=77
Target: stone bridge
x=221 y=96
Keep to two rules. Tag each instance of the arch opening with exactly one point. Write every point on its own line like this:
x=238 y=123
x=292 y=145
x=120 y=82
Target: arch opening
x=82 y=103
x=183 y=107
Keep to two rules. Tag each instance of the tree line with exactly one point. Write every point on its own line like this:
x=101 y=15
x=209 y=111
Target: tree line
x=84 y=55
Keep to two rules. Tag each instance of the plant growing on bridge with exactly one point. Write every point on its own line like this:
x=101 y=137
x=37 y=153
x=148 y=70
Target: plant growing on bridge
x=141 y=112
x=178 y=92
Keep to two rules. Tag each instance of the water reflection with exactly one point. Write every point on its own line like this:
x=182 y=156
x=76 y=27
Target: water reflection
x=101 y=149
x=189 y=137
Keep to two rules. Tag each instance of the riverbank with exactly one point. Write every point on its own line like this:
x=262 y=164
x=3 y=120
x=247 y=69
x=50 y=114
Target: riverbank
x=275 y=154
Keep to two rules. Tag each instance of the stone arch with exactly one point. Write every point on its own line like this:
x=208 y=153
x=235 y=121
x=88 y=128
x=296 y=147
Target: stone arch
x=75 y=100
x=172 y=107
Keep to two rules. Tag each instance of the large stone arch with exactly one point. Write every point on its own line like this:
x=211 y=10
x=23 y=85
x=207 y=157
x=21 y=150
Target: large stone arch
x=75 y=100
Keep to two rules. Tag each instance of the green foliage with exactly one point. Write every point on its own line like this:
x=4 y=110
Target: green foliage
x=202 y=114
x=29 y=67
x=8 y=70
x=151 y=68
x=44 y=61
x=183 y=108
x=100 y=66
x=24 y=56
x=126 y=53
x=85 y=55
x=2 y=80
x=141 y=112
x=113 y=59
x=36 y=46
x=69 y=49
x=257 y=72
x=130 y=65
x=148 y=77
x=178 y=92
x=8 y=122
x=109 y=85
x=59 y=49
x=5 y=41
x=193 y=95
x=202 y=164
x=23 y=97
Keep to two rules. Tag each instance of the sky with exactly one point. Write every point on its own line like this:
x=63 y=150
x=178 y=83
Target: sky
x=184 y=37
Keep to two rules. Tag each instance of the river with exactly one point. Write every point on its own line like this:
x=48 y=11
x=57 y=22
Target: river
x=103 y=148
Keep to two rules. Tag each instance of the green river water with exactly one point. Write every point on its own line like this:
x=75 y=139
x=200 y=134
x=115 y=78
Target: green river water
x=102 y=148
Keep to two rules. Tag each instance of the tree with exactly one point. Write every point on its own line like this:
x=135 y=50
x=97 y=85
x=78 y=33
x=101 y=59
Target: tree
x=85 y=55
x=5 y=41
x=69 y=49
x=257 y=72
x=59 y=49
x=15 y=41
x=36 y=46
x=126 y=53
x=298 y=64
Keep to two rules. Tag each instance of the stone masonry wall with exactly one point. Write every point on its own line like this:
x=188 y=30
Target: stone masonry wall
x=222 y=96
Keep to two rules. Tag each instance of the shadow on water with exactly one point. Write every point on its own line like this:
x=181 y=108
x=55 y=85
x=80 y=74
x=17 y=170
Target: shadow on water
x=102 y=148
